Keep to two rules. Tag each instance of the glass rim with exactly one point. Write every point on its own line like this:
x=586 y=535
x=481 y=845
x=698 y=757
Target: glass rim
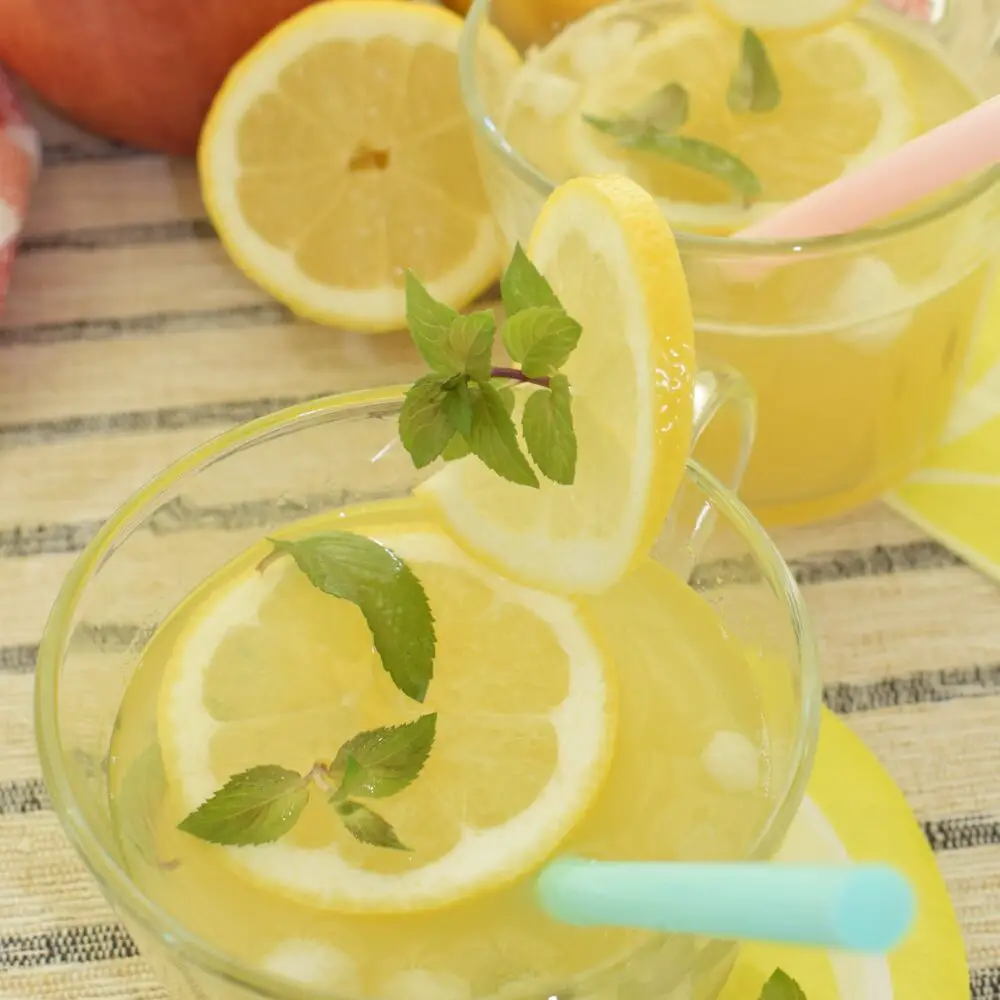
x=490 y=131
x=170 y=932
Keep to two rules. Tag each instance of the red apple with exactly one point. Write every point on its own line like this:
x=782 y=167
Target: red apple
x=141 y=71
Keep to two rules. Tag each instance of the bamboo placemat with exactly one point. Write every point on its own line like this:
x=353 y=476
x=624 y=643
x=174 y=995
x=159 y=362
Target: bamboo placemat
x=128 y=338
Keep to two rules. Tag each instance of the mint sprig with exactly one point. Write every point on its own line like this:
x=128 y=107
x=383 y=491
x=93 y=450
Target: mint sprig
x=781 y=986
x=467 y=405
x=754 y=85
x=264 y=803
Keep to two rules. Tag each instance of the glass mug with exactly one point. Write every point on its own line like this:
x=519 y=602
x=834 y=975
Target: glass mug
x=321 y=456
x=854 y=344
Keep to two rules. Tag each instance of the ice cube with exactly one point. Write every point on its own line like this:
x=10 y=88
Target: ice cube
x=314 y=963
x=732 y=761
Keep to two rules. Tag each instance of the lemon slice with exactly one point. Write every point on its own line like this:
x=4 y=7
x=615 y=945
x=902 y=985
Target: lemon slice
x=271 y=670
x=337 y=154
x=611 y=258
x=785 y=15
x=843 y=103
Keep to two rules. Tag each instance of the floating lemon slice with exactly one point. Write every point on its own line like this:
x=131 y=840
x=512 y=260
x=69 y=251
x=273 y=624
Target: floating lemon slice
x=955 y=496
x=785 y=15
x=338 y=154
x=843 y=104
x=271 y=670
x=853 y=811
x=611 y=258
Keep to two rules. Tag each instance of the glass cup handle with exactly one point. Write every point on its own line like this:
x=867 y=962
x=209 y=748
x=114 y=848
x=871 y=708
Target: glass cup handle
x=725 y=417
x=725 y=423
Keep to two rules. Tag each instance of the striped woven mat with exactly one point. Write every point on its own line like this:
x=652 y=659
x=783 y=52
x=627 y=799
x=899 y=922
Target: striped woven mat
x=128 y=338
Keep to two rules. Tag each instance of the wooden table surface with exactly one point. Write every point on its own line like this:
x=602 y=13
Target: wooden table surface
x=128 y=338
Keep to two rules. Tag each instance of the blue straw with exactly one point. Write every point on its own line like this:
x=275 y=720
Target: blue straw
x=862 y=907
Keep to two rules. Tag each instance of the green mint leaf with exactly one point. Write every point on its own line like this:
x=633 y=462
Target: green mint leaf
x=366 y=825
x=506 y=394
x=541 y=338
x=424 y=427
x=255 y=807
x=703 y=156
x=137 y=802
x=494 y=438
x=781 y=986
x=623 y=128
x=457 y=406
x=665 y=110
x=547 y=425
x=457 y=448
x=381 y=762
x=522 y=285
x=360 y=570
x=430 y=324
x=754 y=86
x=471 y=340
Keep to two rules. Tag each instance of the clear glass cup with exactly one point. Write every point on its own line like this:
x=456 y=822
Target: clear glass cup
x=855 y=345
x=321 y=456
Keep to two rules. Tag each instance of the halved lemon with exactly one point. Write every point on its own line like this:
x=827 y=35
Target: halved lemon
x=269 y=669
x=611 y=259
x=785 y=15
x=338 y=154
x=843 y=103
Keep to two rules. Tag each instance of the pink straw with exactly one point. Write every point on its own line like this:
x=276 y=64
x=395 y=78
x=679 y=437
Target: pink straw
x=958 y=148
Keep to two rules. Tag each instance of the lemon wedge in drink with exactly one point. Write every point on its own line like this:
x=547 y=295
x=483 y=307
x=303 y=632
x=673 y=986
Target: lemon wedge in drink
x=337 y=154
x=610 y=257
x=270 y=669
x=843 y=103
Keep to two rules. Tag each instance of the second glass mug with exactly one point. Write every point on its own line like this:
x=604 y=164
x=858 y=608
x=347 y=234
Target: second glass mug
x=332 y=453
x=856 y=344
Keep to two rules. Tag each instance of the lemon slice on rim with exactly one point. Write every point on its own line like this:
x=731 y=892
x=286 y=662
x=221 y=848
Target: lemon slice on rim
x=785 y=15
x=271 y=670
x=611 y=259
x=338 y=153
x=843 y=103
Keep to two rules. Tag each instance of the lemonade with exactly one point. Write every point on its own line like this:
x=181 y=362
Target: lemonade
x=689 y=775
x=396 y=652
x=853 y=344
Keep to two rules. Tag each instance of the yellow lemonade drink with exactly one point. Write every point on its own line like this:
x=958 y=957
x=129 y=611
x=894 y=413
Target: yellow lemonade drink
x=286 y=673
x=854 y=345
x=450 y=636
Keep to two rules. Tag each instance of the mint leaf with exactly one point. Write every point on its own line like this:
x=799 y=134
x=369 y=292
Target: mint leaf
x=366 y=825
x=424 y=427
x=457 y=405
x=541 y=338
x=137 y=802
x=457 y=448
x=699 y=155
x=471 y=340
x=754 y=86
x=255 y=807
x=360 y=570
x=381 y=762
x=506 y=394
x=494 y=437
x=522 y=286
x=781 y=986
x=547 y=425
x=430 y=324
